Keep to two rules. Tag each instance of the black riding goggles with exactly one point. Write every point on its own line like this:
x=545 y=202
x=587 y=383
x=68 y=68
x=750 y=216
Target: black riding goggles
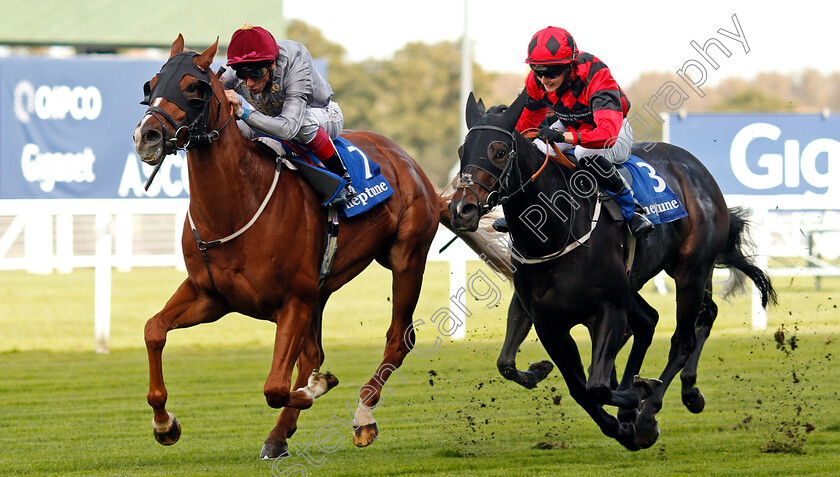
x=252 y=73
x=541 y=71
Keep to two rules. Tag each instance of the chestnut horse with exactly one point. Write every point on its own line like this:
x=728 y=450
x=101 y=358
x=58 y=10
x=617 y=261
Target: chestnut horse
x=570 y=265
x=267 y=265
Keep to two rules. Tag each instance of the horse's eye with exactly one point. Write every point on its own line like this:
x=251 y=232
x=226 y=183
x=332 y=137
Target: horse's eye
x=192 y=88
x=500 y=154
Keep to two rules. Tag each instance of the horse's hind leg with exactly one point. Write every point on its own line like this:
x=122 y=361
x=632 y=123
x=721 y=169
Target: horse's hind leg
x=642 y=320
x=690 y=283
x=187 y=307
x=518 y=327
x=407 y=261
x=691 y=396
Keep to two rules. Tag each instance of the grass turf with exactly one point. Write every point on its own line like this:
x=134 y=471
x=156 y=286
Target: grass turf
x=67 y=411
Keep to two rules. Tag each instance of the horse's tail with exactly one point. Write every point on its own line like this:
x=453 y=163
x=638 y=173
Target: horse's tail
x=741 y=265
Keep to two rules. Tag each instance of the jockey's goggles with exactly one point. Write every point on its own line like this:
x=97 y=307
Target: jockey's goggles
x=541 y=71
x=244 y=73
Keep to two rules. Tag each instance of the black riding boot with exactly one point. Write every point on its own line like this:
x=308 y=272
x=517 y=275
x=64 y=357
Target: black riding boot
x=609 y=178
x=336 y=166
x=501 y=225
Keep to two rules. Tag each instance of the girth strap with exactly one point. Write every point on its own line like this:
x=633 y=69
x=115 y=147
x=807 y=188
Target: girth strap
x=332 y=245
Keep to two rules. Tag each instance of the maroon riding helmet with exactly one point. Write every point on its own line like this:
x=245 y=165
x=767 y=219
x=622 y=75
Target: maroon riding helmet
x=251 y=44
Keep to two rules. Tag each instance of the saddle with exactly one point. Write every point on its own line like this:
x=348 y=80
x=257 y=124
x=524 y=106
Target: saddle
x=371 y=185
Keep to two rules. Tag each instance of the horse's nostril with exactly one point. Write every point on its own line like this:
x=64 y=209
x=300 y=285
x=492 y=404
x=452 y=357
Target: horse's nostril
x=152 y=136
x=469 y=210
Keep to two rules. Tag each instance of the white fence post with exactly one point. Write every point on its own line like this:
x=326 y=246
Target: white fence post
x=458 y=282
x=102 y=284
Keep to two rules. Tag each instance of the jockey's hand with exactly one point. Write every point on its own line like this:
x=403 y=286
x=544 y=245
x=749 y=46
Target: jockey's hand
x=551 y=135
x=233 y=99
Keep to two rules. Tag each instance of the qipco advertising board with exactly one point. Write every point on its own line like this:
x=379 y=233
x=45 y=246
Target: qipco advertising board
x=766 y=154
x=66 y=130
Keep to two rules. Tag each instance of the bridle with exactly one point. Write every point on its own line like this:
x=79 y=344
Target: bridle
x=502 y=177
x=192 y=131
x=467 y=179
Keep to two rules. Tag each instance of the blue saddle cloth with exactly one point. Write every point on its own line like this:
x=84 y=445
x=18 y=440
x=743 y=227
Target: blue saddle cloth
x=661 y=204
x=371 y=186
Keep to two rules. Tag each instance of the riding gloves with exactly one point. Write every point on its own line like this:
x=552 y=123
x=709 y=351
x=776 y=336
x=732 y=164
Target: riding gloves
x=550 y=135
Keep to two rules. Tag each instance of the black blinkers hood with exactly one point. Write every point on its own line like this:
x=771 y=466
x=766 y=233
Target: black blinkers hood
x=168 y=85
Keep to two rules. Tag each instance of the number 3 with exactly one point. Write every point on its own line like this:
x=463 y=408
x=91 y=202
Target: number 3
x=660 y=184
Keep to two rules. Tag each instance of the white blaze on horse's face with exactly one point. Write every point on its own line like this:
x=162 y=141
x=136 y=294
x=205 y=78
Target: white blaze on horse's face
x=145 y=151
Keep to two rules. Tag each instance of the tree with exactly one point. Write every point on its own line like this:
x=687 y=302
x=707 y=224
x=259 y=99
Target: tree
x=413 y=99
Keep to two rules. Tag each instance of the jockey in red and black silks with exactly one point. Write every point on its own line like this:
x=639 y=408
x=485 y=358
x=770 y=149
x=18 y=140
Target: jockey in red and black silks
x=590 y=107
x=590 y=104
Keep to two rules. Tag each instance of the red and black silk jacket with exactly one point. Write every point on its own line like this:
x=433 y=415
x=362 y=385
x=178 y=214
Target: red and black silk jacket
x=590 y=104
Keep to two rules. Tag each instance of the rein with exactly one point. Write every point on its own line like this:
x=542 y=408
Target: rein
x=521 y=258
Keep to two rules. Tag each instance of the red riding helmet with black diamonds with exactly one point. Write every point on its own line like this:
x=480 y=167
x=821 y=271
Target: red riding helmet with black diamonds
x=251 y=44
x=552 y=46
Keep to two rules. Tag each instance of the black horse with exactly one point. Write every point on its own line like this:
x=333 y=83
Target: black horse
x=570 y=265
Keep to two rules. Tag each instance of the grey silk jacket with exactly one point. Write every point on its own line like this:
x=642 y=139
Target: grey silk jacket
x=295 y=86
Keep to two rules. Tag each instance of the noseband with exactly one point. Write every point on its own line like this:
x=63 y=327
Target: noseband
x=494 y=191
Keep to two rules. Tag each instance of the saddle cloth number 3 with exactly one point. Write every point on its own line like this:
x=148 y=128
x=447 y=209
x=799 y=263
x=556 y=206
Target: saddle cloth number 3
x=660 y=184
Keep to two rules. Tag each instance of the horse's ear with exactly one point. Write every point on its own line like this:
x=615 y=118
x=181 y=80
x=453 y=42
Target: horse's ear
x=481 y=106
x=203 y=61
x=473 y=111
x=177 y=46
x=511 y=115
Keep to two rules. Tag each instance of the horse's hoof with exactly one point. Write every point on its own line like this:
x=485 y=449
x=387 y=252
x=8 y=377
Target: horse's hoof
x=167 y=437
x=274 y=450
x=332 y=381
x=540 y=370
x=627 y=415
x=627 y=436
x=694 y=401
x=364 y=436
x=647 y=431
x=646 y=387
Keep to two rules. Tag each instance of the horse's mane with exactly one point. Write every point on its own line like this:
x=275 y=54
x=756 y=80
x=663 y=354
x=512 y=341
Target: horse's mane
x=497 y=109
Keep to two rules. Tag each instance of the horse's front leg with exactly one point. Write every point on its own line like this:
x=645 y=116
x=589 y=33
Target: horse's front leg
x=607 y=330
x=187 y=307
x=311 y=357
x=294 y=321
x=518 y=326
x=563 y=350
